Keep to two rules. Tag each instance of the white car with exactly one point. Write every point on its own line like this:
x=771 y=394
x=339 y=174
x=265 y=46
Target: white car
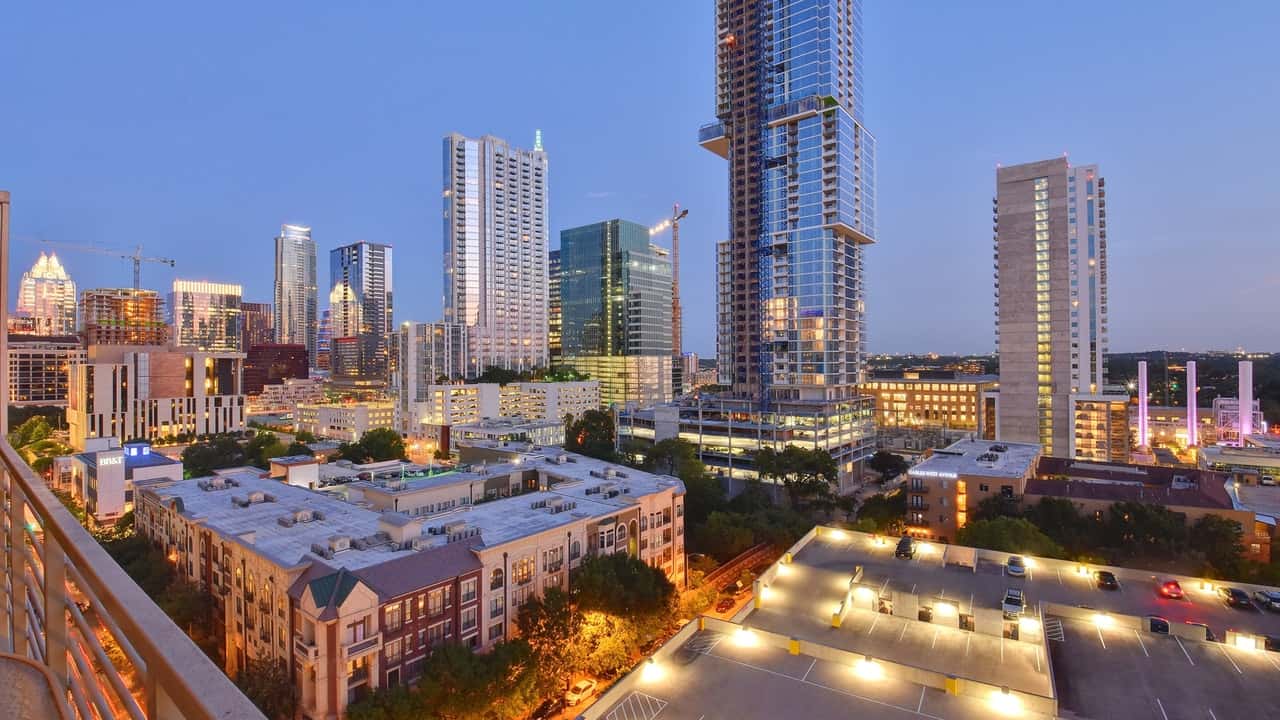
x=1269 y=599
x=580 y=691
x=1016 y=566
x=1013 y=604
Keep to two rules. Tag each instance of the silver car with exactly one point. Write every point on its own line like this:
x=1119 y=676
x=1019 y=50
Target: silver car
x=1269 y=599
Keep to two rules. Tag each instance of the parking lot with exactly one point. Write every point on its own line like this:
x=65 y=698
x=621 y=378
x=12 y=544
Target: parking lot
x=716 y=677
x=1053 y=581
x=1120 y=672
x=801 y=599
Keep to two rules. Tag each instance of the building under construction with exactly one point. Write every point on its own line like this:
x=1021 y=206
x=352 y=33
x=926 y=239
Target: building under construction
x=123 y=316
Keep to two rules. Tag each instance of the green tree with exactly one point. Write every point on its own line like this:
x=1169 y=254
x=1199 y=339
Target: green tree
x=262 y=447
x=297 y=448
x=553 y=628
x=995 y=506
x=352 y=451
x=1221 y=540
x=612 y=643
x=723 y=535
x=703 y=493
x=809 y=475
x=34 y=441
x=459 y=684
x=883 y=513
x=592 y=434
x=501 y=376
x=389 y=703
x=305 y=436
x=1060 y=520
x=888 y=464
x=1015 y=535
x=200 y=459
x=383 y=444
x=267 y=683
x=622 y=585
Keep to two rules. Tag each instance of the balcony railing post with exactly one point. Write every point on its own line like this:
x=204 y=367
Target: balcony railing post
x=55 y=610
x=16 y=567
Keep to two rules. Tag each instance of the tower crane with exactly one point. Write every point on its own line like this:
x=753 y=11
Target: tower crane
x=137 y=257
x=677 y=315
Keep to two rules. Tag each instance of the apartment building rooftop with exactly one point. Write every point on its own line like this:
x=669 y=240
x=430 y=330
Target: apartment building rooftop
x=979 y=457
x=291 y=525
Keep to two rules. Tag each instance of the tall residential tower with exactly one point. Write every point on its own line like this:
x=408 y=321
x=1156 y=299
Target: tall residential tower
x=47 y=298
x=1051 y=297
x=206 y=315
x=295 y=288
x=495 y=249
x=360 y=298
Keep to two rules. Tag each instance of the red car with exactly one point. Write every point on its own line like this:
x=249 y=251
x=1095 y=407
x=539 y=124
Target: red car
x=725 y=605
x=1171 y=589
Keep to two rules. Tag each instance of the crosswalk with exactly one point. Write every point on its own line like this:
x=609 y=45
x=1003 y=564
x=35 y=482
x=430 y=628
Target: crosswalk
x=636 y=706
x=703 y=643
x=1053 y=629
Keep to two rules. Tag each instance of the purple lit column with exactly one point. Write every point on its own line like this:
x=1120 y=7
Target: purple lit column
x=1192 y=405
x=1142 y=403
x=1246 y=400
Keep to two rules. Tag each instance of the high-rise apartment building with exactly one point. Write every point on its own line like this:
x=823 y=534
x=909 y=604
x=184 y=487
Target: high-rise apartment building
x=206 y=315
x=360 y=298
x=495 y=249
x=324 y=341
x=257 y=324
x=789 y=79
x=789 y=108
x=1051 y=297
x=123 y=316
x=47 y=298
x=272 y=364
x=554 y=320
x=296 y=298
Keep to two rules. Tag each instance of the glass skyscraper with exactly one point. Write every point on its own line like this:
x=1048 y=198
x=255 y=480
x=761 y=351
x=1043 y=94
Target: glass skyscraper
x=801 y=197
x=360 y=300
x=296 y=292
x=791 y=340
x=495 y=249
x=206 y=315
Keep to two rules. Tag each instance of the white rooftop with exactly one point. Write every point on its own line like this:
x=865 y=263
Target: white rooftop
x=251 y=510
x=979 y=457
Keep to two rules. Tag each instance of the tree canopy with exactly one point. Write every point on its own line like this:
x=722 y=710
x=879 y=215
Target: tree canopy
x=809 y=475
x=592 y=434
x=622 y=585
x=374 y=446
x=888 y=464
x=1015 y=535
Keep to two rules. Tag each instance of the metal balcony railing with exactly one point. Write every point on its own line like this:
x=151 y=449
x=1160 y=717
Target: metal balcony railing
x=62 y=597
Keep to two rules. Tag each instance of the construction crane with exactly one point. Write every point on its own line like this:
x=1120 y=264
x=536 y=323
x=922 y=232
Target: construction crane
x=677 y=315
x=136 y=257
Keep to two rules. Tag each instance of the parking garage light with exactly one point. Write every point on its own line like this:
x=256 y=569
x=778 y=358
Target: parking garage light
x=868 y=669
x=782 y=570
x=1028 y=625
x=651 y=671
x=1245 y=642
x=945 y=609
x=1082 y=570
x=744 y=637
x=836 y=534
x=863 y=593
x=764 y=593
x=1028 y=562
x=1103 y=620
x=1005 y=702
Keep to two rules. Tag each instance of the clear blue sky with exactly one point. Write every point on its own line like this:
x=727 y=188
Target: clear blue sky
x=197 y=130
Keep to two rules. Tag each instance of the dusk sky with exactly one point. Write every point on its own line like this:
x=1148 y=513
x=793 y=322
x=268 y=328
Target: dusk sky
x=196 y=130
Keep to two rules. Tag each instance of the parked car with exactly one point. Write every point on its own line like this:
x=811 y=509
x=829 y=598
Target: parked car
x=1106 y=580
x=906 y=548
x=1236 y=598
x=1272 y=642
x=580 y=691
x=1157 y=624
x=1208 y=634
x=725 y=605
x=1269 y=599
x=548 y=709
x=1013 y=604
x=1171 y=589
x=1016 y=566
x=1267 y=480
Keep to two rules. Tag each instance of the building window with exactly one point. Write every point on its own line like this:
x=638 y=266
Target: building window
x=435 y=635
x=469 y=619
x=469 y=590
x=435 y=602
x=394 y=617
x=575 y=550
x=523 y=570
x=496 y=579
x=495 y=632
x=496 y=605
x=393 y=651
x=983 y=487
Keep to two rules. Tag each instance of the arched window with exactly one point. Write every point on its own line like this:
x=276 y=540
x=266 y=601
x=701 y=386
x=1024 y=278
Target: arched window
x=622 y=533
x=575 y=550
x=497 y=579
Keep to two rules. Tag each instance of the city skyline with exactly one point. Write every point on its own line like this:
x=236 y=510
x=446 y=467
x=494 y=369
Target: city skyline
x=930 y=199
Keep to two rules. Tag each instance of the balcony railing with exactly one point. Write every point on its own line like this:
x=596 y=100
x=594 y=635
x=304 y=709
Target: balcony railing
x=63 y=596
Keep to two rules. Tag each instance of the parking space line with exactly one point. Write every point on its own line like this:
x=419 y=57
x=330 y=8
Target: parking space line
x=1184 y=650
x=970 y=603
x=806 y=672
x=935 y=639
x=884 y=585
x=913 y=588
x=1059 y=571
x=904 y=631
x=1144 y=645
x=920 y=706
x=1211 y=715
x=1223 y=648
x=1104 y=642
x=1273 y=662
x=966 y=644
x=1163 y=714
x=873 y=624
